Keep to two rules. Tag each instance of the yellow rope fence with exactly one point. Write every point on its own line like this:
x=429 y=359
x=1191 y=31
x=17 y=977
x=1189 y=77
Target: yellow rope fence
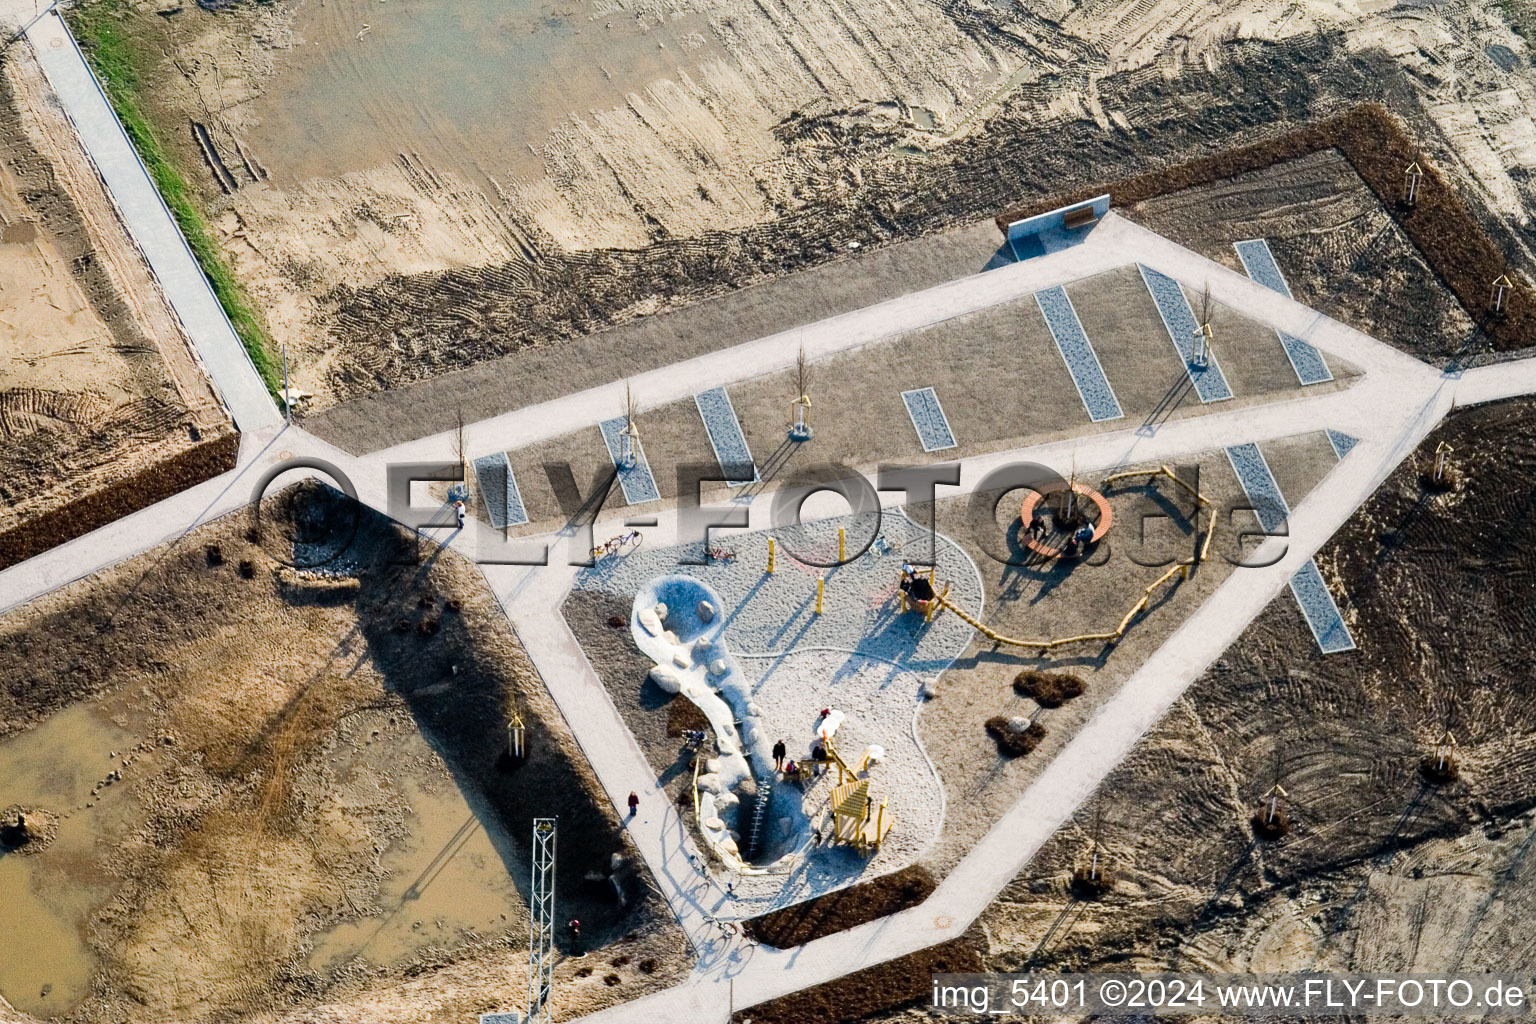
x=1182 y=571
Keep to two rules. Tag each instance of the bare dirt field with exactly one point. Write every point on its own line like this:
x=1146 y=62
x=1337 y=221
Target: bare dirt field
x=622 y=158
x=997 y=373
x=1383 y=868
x=97 y=380
x=1339 y=249
x=279 y=794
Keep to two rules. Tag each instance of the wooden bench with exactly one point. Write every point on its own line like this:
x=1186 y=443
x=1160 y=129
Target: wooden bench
x=1100 y=528
x=1080 y=218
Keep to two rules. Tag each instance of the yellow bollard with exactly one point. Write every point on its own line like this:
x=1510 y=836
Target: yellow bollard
x=842 y=548
x=820 y=586
x=770 y=555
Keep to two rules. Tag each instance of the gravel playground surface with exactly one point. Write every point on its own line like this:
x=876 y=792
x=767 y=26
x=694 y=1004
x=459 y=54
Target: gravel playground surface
x=861 y=655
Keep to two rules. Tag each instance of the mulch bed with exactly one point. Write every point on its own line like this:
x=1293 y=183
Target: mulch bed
x=1380 y=150
x=846 y=908
x=1011 y=742
x=92 y=511
x=1048 y=689
x=683 y=715
x=897 y=983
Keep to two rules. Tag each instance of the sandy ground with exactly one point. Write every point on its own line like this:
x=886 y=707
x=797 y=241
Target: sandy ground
x=97 y=379
x=860 y=656
x=284 y=796
x=1339 y=249
x=589 y=160
x=1380 y=871
x=997 y=373
x=671 y=332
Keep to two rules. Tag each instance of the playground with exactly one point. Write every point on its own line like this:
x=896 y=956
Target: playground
x=913 y=670
x=762 y=668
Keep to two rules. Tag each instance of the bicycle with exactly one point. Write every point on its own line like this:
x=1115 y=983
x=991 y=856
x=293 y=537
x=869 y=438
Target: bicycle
x=722 y=555
x=730 y=931
x=622 y=544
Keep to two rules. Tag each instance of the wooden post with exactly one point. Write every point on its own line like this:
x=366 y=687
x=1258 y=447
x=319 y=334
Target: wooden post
x=515 y=735
x=1443 y=749
x=842 y=545
x=1501 y=285
x=770 y=556
x=820 y=586
x=1274 y=794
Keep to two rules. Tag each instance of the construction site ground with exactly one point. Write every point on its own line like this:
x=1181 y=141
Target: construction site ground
x=285 y=794
x=97 y=381
x=649 y=158
x=1382 y=870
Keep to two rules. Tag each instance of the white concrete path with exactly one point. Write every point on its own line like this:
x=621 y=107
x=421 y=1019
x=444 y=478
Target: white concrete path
x=149 y=222
x=1390 y=409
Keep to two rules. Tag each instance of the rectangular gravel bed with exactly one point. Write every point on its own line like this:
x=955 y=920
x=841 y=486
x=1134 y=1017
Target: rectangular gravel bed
x=498 y=488
x=1180 y=322
x=1077 y=352
x=639 y=486
x=1259 y=264
x=929 y=420
x=725 y=435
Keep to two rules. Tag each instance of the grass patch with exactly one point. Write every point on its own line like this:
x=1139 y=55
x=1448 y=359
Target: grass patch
x=117 y=61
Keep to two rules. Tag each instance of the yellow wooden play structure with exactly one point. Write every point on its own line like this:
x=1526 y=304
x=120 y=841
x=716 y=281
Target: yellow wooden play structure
x=858 y=820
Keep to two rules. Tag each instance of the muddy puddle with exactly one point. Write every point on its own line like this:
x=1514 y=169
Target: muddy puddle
x=49 y=895
x=446 y=883
x=468 y=85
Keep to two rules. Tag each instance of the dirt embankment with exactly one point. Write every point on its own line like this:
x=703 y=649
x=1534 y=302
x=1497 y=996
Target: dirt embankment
x=307 y=808
x=99 y=387
x=1383 y=867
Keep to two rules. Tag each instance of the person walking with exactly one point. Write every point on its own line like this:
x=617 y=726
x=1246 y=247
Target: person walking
x=458 y=507
x=575 y=927
x=634 y=803
x=778 y=756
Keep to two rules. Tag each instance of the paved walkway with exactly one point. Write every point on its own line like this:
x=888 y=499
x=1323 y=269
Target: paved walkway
x=148 y=221
x=1391 y=408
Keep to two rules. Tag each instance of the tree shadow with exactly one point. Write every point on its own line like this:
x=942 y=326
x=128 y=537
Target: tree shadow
x=1168 y=404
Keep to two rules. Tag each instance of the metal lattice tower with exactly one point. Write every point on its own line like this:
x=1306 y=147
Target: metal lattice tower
x=541 y=932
